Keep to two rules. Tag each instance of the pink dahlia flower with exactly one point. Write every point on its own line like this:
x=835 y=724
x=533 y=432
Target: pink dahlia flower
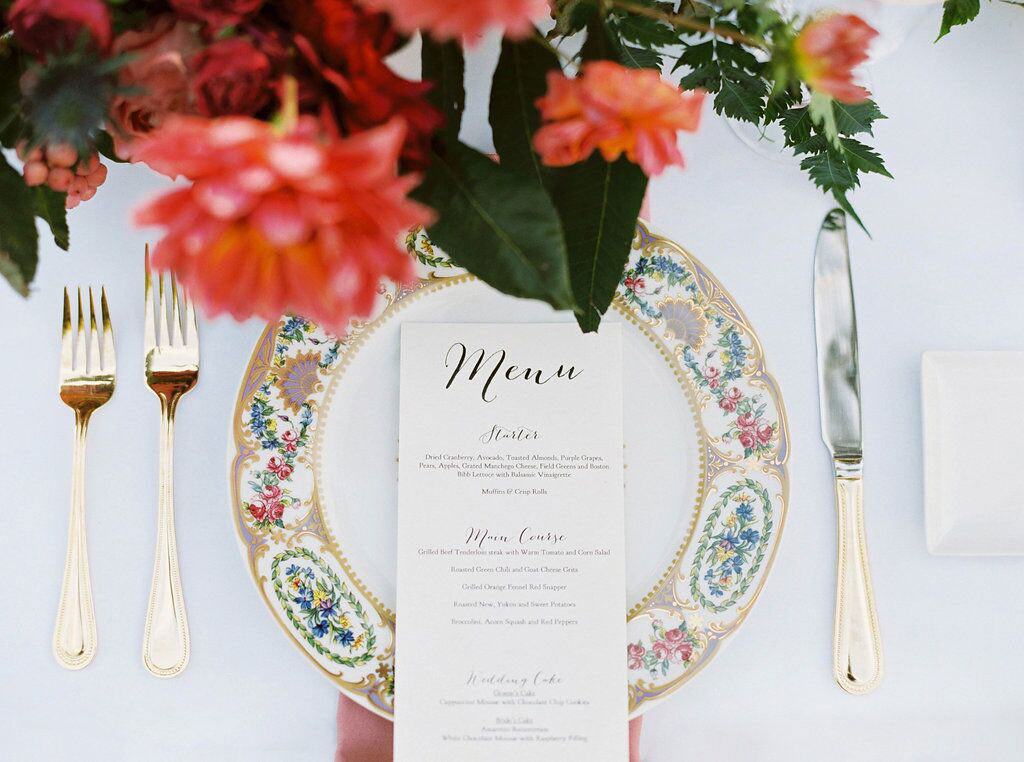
x=615 y=110
x=827 y=51
x=445 y=19
x=281 y=222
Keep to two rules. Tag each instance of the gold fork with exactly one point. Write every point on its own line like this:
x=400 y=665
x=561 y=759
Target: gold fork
x=86 y=382
x=172 y=367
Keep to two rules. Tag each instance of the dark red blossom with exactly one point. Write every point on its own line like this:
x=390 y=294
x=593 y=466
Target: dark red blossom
x=216 y=14
x=231 y=77
x=44 y=26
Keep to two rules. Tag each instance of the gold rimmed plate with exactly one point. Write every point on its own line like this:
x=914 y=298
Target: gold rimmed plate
x=313 y=468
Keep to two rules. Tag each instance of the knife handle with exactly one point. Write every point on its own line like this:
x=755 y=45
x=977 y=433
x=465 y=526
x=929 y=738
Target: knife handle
x=857 y=646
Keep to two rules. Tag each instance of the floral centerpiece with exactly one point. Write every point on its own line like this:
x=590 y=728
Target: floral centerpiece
x=307 y=157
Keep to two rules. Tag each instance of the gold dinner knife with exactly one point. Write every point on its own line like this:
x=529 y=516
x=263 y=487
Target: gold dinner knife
x=857 y=646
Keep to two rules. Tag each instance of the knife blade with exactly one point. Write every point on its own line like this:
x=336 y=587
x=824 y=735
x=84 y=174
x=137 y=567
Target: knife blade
x=857 y=647
x=835 y=323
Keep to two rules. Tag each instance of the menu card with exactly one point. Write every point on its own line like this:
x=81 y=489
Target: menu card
x=511 y=569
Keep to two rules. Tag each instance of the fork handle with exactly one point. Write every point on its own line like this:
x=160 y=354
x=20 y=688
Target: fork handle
x=857 y=645
x=166 y=645
x=74 y=636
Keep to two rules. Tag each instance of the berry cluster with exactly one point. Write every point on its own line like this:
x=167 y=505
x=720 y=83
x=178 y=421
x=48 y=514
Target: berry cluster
x=59 y=167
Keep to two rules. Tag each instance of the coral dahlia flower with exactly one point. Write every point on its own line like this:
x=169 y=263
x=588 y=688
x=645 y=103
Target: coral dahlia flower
x=277 y=222
x=615 y=110
x=827 y=51
x=447 y=19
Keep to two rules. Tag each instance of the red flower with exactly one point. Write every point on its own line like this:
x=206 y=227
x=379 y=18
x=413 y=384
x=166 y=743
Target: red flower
x=748 y=438
x=445 y=19
x=271 y=492
x=730 y=399
x=712 y=376
x=674 y=636
x=274 y=463
x=275 y=511
x=746 y=421
x=661 y=649
x=764 y=434
x=284 y=472
x=216 y=14
x=44 y=26
x=258 y=510
x=276 y=222
x=634 y=655
x=231 y=77
x=615 y=110
x=828 y=49
x=682 y=652
x=344 y=47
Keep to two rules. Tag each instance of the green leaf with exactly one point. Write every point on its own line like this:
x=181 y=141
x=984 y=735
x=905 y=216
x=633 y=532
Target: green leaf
x=19 y=241
x=956 y=13
x=854 y=118
x=598 y=202
x=49 y=205
x=741 y=97
x=644 y=31
x=639 y=58
x=519 y=80
x=444 y=65
x=797 y=125
x=863 y=158
x=12 y=127
x=498 y=224
x=829 y=171
x=599 y=45
x=824 y=117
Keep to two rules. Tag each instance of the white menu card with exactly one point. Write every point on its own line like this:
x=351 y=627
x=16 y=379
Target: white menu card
x=511 y=569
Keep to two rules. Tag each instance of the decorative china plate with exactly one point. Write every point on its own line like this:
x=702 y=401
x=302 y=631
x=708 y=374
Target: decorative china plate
x=314 y=474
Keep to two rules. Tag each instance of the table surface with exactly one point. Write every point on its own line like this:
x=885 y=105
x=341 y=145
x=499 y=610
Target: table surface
x=942 y=271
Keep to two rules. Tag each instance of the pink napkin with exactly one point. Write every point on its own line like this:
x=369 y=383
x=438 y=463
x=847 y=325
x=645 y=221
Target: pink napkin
x=366 y=737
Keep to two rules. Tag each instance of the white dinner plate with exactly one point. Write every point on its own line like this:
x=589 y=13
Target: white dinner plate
x=313 y=468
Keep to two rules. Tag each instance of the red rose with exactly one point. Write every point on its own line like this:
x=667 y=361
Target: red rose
x=43 y=26
x=748 y=438
x=258 y=510
x=682 y=652
x=271 y=492
x=674 y=636
x=231 y=77
x=274 y=463
x=764 y=434
x=276 y=510
x=746 y=421
x=216 y=14
x=730 y=399
x=662 y=650
x=711 y=374
x=284 y=472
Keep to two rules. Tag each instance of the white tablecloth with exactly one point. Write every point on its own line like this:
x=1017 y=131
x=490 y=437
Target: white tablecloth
x=945 y=269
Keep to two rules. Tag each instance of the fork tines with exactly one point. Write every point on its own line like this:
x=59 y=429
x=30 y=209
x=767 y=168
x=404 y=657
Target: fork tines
x=77 y=357
x=182 y=331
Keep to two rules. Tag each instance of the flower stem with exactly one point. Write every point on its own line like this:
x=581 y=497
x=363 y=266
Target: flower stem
x=688 y=22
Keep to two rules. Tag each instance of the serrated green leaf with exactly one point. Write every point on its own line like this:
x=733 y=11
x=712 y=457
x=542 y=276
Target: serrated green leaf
x=599 y=45
x=829 y=171
x=741 y=98
x=696 y=56
x=797 y=125
x=739 y=56
x=598 y=202
x=644 y=31
x=639 y=58
x=855 y=118
x=707 y=77
x=498 y=224
x=957 y=13
x=444 y=65
x=863 y=158
x=19 y=241
x=519 y=80
x=49 y=205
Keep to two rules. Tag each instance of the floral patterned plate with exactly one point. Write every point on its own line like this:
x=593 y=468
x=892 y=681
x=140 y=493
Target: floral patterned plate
x=313 y=468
